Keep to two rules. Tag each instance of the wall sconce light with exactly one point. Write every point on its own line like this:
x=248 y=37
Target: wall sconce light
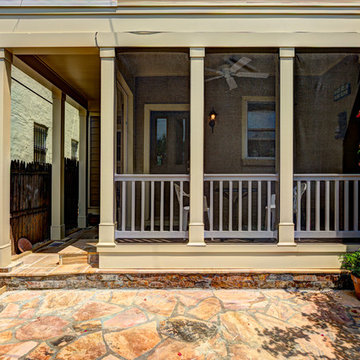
x=212 y=119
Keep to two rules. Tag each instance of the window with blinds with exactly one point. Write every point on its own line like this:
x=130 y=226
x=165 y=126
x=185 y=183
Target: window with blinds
x=40 y=135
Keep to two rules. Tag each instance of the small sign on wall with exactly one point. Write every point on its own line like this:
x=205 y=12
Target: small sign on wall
x=342 y=91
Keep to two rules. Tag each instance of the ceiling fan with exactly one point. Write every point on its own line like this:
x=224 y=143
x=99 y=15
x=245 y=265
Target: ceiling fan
x=235 y=68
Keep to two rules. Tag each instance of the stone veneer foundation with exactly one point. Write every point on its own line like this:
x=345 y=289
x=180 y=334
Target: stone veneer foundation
x=180 y=280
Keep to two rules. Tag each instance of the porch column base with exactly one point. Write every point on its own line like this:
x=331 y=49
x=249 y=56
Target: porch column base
x=57 y=232
x=196 y=235
x=5 y=255
x=82 y=222
x=106 y=234
x=286 y=234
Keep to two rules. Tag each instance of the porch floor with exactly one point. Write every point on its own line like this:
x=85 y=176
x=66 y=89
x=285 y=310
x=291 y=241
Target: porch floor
x=179 y=324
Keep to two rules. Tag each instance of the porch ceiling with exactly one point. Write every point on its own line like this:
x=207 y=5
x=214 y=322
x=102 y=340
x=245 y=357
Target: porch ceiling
x=82 y=72
x=77 y=74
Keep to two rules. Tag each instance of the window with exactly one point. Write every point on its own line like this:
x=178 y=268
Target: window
x=260 y=128
x=161 y=140
x=40 y=135
x=74 y=149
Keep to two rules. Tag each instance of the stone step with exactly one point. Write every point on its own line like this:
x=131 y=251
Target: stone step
x=79 y=252
x=68 y=259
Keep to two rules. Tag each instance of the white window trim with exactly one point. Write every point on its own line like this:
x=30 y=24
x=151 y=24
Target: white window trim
x=246 y=159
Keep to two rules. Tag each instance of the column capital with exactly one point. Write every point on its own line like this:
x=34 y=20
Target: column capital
x=287 y=52
x=107 y=53
x=197 y=52
x=5 y=55
x=82 y=111
x=58 y=94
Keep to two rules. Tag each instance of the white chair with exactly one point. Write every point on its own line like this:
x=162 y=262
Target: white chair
x=273 y=204
x=186 y=208
x=272 y=211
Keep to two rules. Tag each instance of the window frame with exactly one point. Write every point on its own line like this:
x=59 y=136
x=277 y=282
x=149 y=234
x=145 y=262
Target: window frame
x=247 y=160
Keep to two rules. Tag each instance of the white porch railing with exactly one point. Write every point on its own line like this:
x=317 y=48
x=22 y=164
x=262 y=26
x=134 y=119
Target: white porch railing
x=149 y=207
x=240 y=206
x=326 y=205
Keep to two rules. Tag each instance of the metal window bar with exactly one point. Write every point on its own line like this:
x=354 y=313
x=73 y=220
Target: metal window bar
x=40 y=136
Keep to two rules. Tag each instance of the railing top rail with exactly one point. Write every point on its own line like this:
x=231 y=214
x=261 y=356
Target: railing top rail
x=238 y=177
x=314 y=177
x=151 y=177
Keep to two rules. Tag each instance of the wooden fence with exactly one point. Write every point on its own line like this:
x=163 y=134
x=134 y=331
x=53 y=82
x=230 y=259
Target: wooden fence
x=30 y=202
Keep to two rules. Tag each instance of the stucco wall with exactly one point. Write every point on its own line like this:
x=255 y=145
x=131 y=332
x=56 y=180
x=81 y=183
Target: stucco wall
x=32 y=103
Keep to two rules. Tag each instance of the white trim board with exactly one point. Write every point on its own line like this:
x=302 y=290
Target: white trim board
x=57 y=3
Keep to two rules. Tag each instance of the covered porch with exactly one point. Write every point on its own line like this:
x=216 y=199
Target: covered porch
x=257 y=189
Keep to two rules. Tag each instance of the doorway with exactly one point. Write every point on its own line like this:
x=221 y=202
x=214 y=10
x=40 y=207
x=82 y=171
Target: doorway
x=169 y=142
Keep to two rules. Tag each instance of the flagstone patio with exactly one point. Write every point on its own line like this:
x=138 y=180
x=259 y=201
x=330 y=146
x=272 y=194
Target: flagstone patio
x=179 y=324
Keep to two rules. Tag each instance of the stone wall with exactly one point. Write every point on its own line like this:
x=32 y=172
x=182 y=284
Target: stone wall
x=32 y=103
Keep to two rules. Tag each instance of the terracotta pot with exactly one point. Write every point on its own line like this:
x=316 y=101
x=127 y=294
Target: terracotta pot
x=356 y=282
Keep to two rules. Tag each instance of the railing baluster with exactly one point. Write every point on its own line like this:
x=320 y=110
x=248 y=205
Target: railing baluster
x=181 y=208
x=317 y=206
x=142 y=205
x=240 y=206
x=336 y=206
x=133 y=206
x=327 y=205
x=220 y=205
x=346 y=205
x=152 y=206
x=249 y=205
x=356 y=205
x=259 y=206
x=171 y=205
x=308 y=205
x=161 y=206
x=268 y=214
x=123 y=206
x=211 y=225
x=230 y=204
x=298 y=205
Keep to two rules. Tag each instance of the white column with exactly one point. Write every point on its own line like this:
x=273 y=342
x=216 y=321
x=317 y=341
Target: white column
x=107 y=148
x=57 y=176
x=82 y=168
x=286 y=222
x=5 y=125
x=196 y=223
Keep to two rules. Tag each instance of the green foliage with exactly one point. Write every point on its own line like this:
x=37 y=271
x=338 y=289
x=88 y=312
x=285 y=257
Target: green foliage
x=351 y=262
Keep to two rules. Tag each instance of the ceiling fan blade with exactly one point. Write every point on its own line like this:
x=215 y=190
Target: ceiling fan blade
x=231 y=82
x=252 y=75
x=215 y=71
x=239 y=64
x=214 y=78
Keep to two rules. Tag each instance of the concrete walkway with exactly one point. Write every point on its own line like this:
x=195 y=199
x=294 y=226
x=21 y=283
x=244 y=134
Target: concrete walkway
x=179 y=324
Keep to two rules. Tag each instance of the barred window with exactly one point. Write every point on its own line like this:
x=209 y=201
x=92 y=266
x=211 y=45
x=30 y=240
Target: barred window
x=40 y=136
x=74 y=149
